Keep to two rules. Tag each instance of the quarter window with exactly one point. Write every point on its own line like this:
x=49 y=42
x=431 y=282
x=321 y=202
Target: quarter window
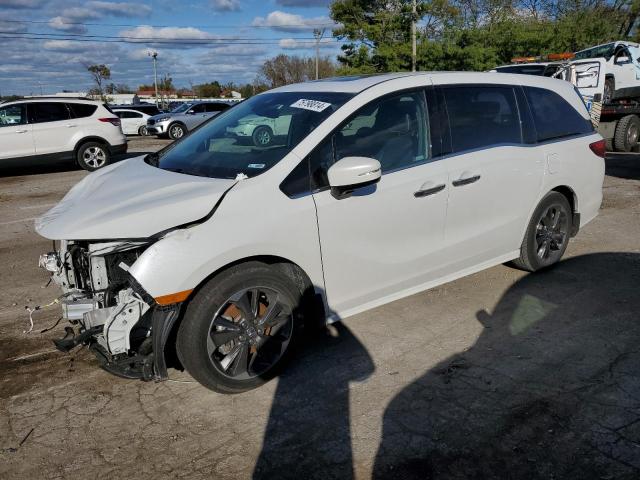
x=82 y=110
x=553 y=116
x=482 y=116
x=48 y=112
x=12 y=115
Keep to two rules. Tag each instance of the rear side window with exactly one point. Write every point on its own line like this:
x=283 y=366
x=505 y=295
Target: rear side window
x=482 y=116
x=48 y=112
x=216 y=107
x=553 y=116
x=125 y=114
x=82 y=110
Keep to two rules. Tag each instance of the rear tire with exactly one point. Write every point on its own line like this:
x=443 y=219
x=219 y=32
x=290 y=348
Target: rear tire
x=547 y=235
x=92 y=156
x=240 y=328
x=627 y=133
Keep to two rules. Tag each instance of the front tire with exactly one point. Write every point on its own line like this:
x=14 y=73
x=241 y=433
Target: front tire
x=142 y=131
x=547 y=235
x=609 y=89
x=176 y=131
x=93 y=155
x=240 y=328
x=262 y=136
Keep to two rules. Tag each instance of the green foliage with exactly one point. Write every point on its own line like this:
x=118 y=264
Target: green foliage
x=473 y=34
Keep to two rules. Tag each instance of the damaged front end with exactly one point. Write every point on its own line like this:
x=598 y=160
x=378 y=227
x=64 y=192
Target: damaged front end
x=108 y=310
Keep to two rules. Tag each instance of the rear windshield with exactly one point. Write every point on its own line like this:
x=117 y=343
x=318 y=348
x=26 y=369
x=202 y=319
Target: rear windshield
x=251 y=137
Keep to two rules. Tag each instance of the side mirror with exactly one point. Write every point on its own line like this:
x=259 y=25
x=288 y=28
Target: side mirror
x=350 y=173
x=190 y=112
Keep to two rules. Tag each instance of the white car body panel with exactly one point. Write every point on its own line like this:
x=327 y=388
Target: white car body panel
x=131 y=126
x=375 y=248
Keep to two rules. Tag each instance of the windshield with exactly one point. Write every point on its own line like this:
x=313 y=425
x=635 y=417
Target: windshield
x=605 y=51
x=181 y=108
x=523 y=69
x=251 y=137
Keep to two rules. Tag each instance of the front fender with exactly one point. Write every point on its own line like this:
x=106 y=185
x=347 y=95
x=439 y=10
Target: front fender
x=242 y=227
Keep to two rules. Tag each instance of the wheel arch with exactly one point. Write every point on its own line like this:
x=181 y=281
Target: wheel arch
x=92 y=138
x=313 y=302
x=572 y=198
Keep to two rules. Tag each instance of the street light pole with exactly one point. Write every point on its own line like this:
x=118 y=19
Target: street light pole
x=318 y=34
x=413 y=36
x=154 y=55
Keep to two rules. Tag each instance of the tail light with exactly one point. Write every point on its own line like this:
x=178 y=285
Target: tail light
x=115 y=121
x=599 y=148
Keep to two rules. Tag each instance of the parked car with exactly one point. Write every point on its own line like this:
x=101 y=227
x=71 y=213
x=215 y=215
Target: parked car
x=132 y=121
x=45 y=129
x=383 y=187
x=261 y=130
x=622 y=74
x=147 y=108
x=183 y=119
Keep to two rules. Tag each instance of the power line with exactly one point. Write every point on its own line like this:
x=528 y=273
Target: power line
x=87 y=24
x=211 y=42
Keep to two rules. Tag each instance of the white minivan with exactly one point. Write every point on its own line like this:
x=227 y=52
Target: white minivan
x=213 y=253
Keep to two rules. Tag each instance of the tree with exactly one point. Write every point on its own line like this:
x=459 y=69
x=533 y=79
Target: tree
x=286 y=69
x=99 y=73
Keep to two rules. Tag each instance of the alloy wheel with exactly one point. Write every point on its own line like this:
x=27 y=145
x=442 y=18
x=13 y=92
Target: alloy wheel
x=551 y=233
x=250 y=332
x=94 y=157
x=177 y=131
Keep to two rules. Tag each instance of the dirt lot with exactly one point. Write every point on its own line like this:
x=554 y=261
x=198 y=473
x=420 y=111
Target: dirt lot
x=498 y=375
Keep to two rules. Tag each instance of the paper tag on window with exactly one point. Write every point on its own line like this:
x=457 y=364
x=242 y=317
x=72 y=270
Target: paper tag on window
x=313 y=105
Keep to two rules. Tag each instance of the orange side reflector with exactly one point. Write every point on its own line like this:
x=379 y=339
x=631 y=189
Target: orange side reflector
x=173 y=298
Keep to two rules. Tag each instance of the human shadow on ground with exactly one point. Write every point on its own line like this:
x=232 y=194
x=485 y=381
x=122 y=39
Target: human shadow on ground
x=308 y=434
x=551 y=388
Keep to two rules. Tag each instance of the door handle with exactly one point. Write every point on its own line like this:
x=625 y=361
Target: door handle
x=22 y=131
x=429 y=191
x=465 y=181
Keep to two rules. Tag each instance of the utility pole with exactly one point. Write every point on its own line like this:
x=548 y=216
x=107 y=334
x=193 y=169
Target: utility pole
x=154 y=55
x=413 y=35
x=318 y=34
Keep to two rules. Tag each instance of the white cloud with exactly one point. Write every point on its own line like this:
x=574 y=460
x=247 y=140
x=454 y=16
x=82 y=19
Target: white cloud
x=225 y=5
x=289 y=22
x=66 y=25
x=166 y=33
x=121 y=9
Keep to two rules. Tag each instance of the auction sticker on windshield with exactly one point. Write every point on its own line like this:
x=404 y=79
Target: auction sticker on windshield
x=313 y=105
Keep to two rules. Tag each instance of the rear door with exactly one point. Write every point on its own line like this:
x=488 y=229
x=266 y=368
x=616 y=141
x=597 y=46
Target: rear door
x=588 y=76
x=16 y=136
x=53 y=127
x=495 y=176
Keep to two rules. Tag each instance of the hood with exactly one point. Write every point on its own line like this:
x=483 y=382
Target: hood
x=130 y=199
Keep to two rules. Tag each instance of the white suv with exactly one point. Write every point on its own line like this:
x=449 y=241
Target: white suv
x=56 y=128
x=383 y=187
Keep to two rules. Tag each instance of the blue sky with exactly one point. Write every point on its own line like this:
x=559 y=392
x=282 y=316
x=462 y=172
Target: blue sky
x=47 y=43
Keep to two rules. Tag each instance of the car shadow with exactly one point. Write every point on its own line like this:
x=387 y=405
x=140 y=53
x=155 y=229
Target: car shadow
x=623 y=165
x=550 y=389
x=308 y=434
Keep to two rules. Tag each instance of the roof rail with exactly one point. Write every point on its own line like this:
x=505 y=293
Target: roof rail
x=55 y=97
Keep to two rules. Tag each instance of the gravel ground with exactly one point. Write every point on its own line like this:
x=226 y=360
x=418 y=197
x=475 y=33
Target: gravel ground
x=498 y=375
